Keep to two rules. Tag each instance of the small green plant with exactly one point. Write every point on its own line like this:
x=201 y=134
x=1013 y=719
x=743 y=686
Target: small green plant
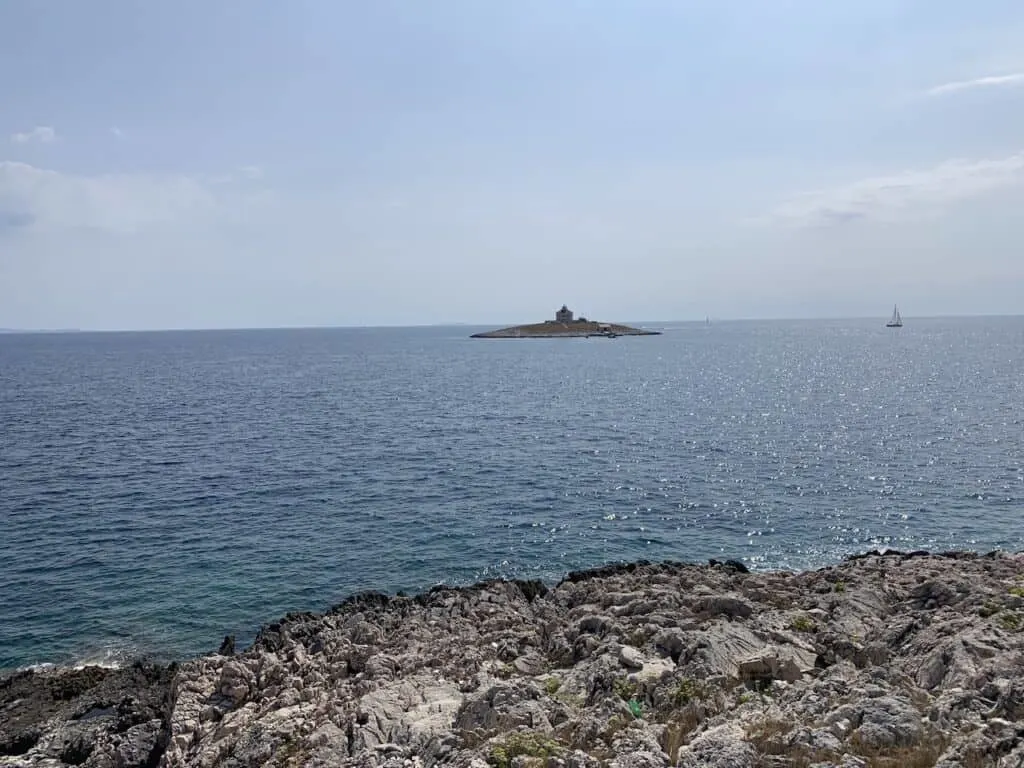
x=839 y=586
x=551 y=685
x=803 y=623
x=529 y=744
x=624 y=689
x=988 y=608
x=1017 y=591
x=688 y=690
x=745 y=698
x=573 y=701
x=1010 y=620
x=636 y=708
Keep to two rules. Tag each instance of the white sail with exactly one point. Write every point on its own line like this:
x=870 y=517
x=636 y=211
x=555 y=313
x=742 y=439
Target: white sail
x=896 y=321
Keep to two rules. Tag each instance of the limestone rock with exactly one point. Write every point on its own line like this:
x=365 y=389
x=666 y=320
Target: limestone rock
x=880 y=723
x=724 y=746
x=886 y=658
x=773 y=663
x=631 y=657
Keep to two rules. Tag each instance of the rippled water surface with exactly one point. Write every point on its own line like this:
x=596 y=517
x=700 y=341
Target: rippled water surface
x=159 y=490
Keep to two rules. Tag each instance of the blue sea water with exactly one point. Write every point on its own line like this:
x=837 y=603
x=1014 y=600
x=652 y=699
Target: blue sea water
x=160 y=490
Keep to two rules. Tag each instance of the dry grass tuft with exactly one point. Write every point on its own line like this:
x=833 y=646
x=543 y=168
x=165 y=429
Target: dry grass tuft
x=678 y=731
x=923 y=755
x=770 y=739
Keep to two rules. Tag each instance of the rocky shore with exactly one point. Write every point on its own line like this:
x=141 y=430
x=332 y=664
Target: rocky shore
x=895 y=659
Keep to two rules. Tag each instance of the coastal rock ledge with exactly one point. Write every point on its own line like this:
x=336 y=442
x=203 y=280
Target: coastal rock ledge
x=887 y=659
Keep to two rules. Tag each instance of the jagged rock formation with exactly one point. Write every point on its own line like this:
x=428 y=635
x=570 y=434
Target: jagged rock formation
x=884 y=660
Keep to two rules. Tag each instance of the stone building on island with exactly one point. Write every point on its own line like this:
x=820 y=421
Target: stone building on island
x=565 y=316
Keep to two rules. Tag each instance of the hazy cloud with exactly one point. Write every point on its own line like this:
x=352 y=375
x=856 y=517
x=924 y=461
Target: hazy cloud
x=117 y=132
x=42 y=134
x=11 y=220
x=125 y=203
x=1016 y=78
x=902 y=194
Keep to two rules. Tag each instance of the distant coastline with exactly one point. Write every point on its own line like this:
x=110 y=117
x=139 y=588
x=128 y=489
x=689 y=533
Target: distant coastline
x=12 y=331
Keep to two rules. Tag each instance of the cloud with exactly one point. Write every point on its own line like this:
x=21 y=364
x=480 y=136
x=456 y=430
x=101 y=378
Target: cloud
x=44 y=200
x=42 y=134
x=117 y=132
x=901 y=195
x=1017 y=78
x=240 y=175
x=250 y=172
x=11 y=220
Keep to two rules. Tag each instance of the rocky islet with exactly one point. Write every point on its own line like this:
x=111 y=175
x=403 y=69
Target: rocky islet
x=886 y=659
x=565 y=326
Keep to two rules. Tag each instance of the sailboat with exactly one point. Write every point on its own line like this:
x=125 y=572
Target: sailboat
x=895 y=321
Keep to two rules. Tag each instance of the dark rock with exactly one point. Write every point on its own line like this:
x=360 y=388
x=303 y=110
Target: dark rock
x=20 y=742
x=368 y=599
x=595 y=625
x=532 y=589
x=603 y=572
x=227 y=647
x=723 y=605
x=730 y=565
x=875 y=553
x=672 y=642
x=77 y=750
x=933 y=594
x=91 y=716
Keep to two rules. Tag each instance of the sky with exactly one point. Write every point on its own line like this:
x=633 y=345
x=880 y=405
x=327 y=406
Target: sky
x=253 y=163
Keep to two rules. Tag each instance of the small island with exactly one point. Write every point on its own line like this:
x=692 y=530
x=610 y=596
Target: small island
x=565 y=326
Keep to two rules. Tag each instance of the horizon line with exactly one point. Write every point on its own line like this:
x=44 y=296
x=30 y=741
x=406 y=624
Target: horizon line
x=462 y=324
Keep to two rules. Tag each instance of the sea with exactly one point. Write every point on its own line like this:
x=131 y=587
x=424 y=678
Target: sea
x=159 y=491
